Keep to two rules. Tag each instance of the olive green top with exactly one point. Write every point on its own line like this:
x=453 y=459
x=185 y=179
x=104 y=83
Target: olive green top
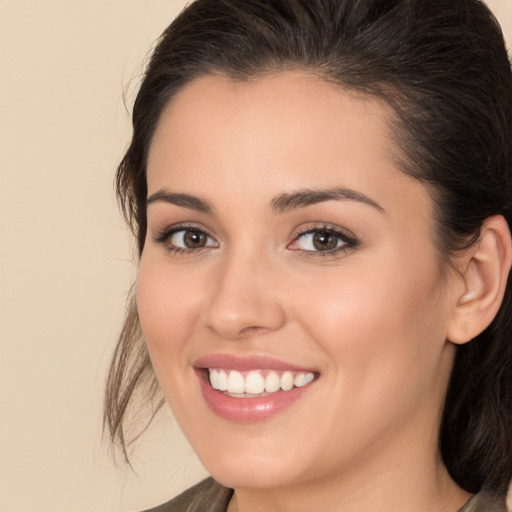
x=209 y=496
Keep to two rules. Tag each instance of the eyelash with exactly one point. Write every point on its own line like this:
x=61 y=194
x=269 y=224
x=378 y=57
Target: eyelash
x=348 y=241
x=164 y=236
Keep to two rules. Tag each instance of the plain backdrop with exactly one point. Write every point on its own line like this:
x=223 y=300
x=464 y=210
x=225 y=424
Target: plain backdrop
x=65 y=257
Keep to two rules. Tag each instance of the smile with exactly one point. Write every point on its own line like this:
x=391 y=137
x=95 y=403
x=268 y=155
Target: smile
x=252 y=388
x=256 y=383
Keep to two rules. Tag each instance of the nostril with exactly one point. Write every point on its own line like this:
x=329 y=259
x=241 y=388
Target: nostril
x=252 y=329
x=237 y=308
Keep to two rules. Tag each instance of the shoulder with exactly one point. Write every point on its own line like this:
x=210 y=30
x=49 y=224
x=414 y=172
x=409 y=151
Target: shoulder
x=486 y=501
x=206 y=496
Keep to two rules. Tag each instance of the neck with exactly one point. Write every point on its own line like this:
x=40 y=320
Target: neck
x=405 y=484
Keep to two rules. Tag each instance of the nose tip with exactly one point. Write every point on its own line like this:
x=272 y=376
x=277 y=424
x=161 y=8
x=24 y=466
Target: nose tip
x=234 y=326
x=242 y=304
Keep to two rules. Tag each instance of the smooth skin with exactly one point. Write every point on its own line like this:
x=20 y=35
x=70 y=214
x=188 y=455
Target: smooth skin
x=353 y=287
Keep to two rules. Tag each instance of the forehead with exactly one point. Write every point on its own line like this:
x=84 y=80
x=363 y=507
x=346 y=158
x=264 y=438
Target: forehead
x=287 y=103
x=272 y=135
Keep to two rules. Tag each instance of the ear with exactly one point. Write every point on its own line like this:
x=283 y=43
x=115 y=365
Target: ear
x=484 y=270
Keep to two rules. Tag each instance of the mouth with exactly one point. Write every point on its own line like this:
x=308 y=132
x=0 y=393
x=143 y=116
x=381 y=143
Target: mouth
x=251 y=389
x=256 y=383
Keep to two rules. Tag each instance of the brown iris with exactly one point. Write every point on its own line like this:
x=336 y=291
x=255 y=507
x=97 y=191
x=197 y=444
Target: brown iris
x=195 y=239
x=324 y=241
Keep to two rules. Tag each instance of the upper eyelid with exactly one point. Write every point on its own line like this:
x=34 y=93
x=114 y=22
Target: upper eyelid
x=181 y=226
x=323 y=226
x=163 y=234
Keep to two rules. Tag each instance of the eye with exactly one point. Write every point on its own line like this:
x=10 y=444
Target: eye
x=322 y=240
x=191 y=239
x=183 y=239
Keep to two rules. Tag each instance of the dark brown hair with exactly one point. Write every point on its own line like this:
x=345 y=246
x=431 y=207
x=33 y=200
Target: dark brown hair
x=443 y=69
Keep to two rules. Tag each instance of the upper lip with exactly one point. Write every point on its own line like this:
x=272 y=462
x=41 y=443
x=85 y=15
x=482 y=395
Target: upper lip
x=246 y=363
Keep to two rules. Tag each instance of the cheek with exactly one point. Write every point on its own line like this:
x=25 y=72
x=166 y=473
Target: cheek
x=378 y=324
x=167 y=304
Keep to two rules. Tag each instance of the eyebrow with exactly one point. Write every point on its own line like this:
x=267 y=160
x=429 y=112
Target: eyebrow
x=302 y=198
x=183 y=200
x=281 y=204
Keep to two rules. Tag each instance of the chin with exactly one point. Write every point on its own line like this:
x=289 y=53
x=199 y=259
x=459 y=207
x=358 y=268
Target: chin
x=253 y=467
x=246 y=475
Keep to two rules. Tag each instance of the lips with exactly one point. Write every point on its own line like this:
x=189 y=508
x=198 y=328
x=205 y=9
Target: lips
x=249 y=389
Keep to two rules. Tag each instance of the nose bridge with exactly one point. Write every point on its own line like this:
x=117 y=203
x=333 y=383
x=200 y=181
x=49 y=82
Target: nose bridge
x=243 y=299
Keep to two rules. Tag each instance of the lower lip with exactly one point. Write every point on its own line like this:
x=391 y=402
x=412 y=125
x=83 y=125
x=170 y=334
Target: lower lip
x=248 y=410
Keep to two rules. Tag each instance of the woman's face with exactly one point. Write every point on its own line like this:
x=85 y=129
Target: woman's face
x=286 y=250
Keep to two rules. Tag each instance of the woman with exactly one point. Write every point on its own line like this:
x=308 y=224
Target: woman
x=321 y=194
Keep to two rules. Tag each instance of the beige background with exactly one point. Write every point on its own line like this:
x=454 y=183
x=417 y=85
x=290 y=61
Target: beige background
x=65 y=260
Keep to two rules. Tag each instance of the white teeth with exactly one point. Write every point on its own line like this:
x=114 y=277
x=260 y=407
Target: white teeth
x=303 y=378
x=272 y=382
x=214 y=379
x=235 y=382
x=287 y=381
x=219 y=380
x=255 y=384
x=222 y=381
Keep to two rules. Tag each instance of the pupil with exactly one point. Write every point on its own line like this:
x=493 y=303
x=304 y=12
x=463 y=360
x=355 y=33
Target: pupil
x=194 y=239
x=324 y=241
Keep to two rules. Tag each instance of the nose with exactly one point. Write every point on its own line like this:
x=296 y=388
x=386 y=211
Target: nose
x=243 y=300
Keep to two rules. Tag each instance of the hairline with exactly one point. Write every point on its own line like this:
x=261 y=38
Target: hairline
x=389 y=96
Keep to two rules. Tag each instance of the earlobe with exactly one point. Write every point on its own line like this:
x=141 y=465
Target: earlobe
x=484 y=271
